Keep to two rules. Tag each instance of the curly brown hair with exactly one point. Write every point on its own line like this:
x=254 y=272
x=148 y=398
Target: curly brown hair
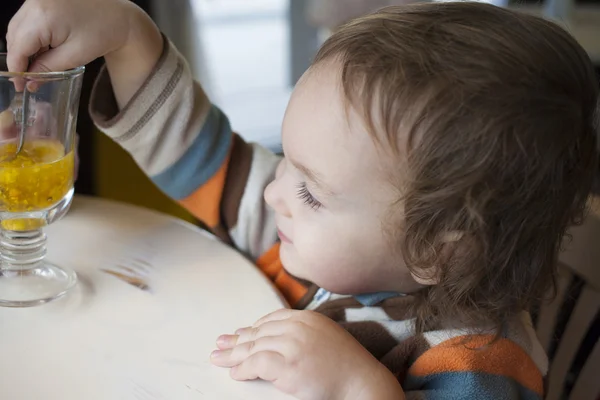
x=494 y=114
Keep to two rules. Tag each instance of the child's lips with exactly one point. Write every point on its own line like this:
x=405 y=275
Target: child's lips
x=282 y=237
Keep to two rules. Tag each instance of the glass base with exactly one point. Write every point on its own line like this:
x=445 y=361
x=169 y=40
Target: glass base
x=35 y=286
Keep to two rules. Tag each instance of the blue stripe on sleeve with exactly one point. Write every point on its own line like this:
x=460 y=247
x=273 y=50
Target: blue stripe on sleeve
x=468 y=385
x=202 y=159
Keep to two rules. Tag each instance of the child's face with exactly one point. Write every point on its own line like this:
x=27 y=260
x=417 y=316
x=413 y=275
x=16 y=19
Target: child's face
x=331 y=195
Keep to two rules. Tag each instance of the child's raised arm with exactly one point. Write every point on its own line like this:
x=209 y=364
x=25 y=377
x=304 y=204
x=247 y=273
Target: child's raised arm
x=147 y=101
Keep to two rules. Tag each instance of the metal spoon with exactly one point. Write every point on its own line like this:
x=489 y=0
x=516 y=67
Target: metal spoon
x=21 y=109
x=24 y=108
x=24 y=120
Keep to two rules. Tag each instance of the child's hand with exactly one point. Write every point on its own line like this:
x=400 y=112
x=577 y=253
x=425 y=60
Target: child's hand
x=78 y=31
x=307 y=355
x=64 y=34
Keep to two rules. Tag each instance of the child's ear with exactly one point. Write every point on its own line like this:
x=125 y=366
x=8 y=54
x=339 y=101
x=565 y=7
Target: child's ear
x=431 y=276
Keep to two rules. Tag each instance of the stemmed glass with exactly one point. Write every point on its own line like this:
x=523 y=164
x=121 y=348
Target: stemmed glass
x=38 y=114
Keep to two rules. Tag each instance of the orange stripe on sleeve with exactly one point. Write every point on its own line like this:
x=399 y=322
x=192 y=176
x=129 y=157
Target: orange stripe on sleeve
x=205 y=202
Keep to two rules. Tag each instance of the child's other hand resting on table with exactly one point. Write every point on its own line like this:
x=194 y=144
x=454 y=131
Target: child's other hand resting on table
x=306 y=355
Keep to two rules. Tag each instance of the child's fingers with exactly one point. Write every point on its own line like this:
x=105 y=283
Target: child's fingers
x=26 y=41
x=33 y=86
x=236 y=355
x=19 y=83
x=266 y=365
x=269 y=328
x=278 y=315
x=41 y=41
x=252 y=333
x=13 y=25
x=17 y=62
x=225 y=342
x=8 y=128
x=64 y=57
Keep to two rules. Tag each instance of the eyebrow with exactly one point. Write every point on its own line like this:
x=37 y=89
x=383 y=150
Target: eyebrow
x=314 y=178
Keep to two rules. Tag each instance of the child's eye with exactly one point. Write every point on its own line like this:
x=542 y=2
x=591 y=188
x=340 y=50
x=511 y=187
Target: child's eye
x=307 y=198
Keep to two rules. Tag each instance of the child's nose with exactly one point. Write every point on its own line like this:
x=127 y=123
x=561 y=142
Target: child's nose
x=275 y=198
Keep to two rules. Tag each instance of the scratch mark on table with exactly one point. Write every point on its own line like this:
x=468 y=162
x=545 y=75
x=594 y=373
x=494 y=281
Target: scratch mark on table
x=194 y=389
x=137 y=282
x=142 y=393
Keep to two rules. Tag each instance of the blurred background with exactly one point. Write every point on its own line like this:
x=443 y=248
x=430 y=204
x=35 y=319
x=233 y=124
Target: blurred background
x=248 y=55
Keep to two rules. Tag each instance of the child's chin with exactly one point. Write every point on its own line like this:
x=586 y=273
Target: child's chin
x=286 y=258
x=291 y=267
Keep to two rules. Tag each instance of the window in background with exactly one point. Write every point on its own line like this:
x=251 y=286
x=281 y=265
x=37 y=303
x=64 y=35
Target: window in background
x=246 y=55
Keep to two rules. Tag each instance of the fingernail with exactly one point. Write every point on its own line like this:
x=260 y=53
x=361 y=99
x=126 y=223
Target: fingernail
x=226 y=340
x=216 y=354
x=240 y=331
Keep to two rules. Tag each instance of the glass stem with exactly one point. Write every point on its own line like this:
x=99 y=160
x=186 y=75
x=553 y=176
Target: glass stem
x=22 y=250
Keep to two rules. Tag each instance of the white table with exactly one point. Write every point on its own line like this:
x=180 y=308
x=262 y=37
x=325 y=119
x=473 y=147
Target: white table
x=111 y=340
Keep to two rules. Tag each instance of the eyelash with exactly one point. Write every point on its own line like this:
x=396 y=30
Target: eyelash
x=307 y=197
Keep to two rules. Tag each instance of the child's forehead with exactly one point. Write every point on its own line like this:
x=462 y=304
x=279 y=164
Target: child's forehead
x=348 y=103
x=317 y=119
x=321 y=133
